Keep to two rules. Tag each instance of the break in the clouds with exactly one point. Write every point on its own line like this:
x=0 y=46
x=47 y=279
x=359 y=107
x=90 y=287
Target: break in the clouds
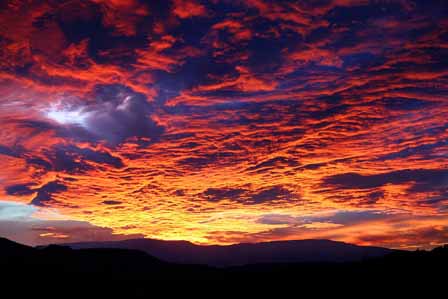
x=113 y=115
x=227 y=121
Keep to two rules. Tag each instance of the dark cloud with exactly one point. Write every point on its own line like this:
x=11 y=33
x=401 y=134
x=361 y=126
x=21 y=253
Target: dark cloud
x=4 y=150
x=112 y=202
x=45 y=193
x=428 y=150
x=19 y=189
x=278 y=162
x=205 y=160
x=250 y=197
x=115 y=114
x=198 y=162
x=70 y=158
x=406 y=104
x=67 y=158
x=274 y=193
x=217 y=194
x=437 y=200
x=39 y=163
x=423 y=179
x=374 y=197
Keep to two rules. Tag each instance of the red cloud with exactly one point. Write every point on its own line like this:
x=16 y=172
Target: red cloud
x=122 y=15
x=157 y=106
x=238 y=30
x=185 y=9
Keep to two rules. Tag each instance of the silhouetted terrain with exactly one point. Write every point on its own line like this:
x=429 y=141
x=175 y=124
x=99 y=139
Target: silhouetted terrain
x=183 y=252
x=112 y=263
x=125 y=271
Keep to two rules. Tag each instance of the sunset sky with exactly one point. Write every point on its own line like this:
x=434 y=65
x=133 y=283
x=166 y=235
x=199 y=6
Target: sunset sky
x=224 y=121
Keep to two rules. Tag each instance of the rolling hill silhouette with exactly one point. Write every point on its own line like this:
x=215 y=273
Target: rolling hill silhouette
x=24 y=261
x=183 y=252
x=127 y=272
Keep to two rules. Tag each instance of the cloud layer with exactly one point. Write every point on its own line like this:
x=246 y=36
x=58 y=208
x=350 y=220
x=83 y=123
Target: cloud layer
x=200 y=120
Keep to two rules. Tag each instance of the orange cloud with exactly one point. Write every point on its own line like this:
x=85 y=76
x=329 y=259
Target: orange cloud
x=261 y=121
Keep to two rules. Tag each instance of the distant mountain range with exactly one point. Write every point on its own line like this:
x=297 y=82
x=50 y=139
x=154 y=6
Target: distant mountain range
x=303 y=251
x=122 y=264
x=312 y=264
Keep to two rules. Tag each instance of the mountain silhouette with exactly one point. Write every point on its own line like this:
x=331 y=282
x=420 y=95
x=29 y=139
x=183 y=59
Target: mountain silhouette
x=183 y=252
x=21 y=260
x=128 y=272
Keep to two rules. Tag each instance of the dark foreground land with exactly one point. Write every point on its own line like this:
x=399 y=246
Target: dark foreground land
x=79 y=269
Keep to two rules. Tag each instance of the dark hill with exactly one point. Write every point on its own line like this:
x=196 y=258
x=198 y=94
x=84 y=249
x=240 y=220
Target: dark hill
x=126 y=273
x=183 y=252
x=105 y=263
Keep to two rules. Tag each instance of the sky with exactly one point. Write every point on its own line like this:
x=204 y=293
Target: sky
x=224 y=121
